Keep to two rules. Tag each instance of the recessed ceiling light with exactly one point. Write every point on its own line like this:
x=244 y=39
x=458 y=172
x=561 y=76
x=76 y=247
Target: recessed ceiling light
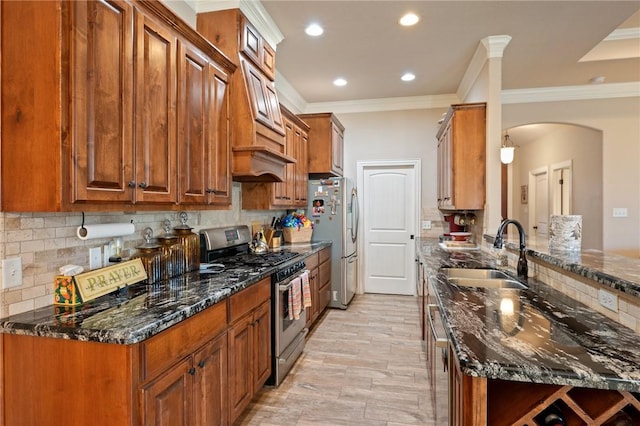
x=408 y=77
x=314 y=30
x=340 y=82
x=409 y=19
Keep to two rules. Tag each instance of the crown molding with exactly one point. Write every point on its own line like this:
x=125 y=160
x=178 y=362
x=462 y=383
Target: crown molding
x=385 y=104
x=571 y=93
x=288 y=95
x=623 y=34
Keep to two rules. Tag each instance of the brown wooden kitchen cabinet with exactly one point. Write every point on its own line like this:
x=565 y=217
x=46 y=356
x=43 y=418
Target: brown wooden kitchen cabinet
x=176 y=377
x=478 y=400
x=462 y=158
x=203 y=137
x=324 y=278
x=326 y=144
x=258 y=142
x=319 y=266
x=86 y=126
x=249 y=344
x=292 y=193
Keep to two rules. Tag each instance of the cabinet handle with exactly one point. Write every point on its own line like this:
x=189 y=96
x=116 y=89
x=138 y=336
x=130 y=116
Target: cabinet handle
x=210 y=191
x=132 y=184
x=201 y=364
x=192 y=371
x=143 y=185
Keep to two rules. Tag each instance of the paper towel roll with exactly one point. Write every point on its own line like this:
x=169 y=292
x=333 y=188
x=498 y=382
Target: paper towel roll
x=105 y=230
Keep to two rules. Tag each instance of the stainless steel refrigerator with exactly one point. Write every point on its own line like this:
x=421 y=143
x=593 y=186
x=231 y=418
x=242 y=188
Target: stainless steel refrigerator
x=333 y=208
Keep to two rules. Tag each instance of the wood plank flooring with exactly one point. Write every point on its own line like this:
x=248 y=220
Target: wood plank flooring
x=362 y=366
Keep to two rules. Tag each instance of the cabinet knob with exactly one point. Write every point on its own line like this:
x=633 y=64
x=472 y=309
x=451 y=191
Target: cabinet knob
x=132 y=184
x=192 y=371
x=210 y=191
x=143 y=185
x=201 y=364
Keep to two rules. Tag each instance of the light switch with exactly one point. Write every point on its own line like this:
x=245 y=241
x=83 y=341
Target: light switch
x=11 y=272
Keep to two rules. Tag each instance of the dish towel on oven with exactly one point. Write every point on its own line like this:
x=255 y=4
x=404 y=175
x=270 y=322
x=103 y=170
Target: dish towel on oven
x=296 y=298
x=306 y=290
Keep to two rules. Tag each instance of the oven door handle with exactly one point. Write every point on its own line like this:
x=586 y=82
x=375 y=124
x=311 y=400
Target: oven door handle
x=441 y=342
x=286 y=284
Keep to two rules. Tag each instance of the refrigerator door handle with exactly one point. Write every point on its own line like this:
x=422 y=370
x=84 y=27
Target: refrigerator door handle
x=355 y=215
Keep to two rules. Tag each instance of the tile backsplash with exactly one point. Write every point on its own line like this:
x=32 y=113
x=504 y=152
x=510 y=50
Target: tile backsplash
x=46 y=241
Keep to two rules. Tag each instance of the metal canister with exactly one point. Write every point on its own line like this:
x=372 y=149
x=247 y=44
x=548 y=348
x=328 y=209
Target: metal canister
x=173 y=255
x=191 y=243
x=150 y=254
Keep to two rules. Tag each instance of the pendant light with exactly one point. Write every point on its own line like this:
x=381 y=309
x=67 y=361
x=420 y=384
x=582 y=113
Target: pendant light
x=506 y=152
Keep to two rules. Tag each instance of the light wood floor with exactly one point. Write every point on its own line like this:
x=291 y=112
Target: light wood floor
x=362 y=366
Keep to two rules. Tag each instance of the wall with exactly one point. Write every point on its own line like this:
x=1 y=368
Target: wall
x=46 y=241
x=619 y=121
x=581 y=145
x=397 y=135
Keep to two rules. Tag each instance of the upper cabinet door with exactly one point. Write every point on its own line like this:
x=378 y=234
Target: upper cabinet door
x=102 y=101
x=192 y=124
x=219 y=140
x=260 y=97
x=155 y=112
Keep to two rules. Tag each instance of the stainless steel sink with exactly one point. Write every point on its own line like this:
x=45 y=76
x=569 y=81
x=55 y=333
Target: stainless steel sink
x=474 y=273
x=481 y=278
x=487 y=283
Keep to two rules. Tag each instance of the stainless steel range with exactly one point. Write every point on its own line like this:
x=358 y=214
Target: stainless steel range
x=229 y=248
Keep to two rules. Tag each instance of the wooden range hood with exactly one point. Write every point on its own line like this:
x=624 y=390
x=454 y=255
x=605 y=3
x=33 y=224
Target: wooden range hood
x=257 y=132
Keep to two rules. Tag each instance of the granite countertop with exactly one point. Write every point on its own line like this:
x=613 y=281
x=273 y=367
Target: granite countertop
x=549 y=338
x=141 y=311
x=615 y=271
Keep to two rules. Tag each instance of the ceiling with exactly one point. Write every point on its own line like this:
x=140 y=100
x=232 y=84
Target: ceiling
x=364 y=44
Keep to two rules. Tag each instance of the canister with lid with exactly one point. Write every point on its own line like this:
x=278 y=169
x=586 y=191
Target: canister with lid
x=150 y=254
x=173 y=253
x=191 y=243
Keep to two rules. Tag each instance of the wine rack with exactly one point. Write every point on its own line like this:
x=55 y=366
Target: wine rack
x=521 y=403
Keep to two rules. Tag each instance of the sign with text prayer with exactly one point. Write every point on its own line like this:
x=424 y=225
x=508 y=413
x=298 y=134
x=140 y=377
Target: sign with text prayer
x=102 y=281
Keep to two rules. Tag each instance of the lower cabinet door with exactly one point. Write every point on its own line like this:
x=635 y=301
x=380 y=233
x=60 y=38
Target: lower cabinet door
x=262 y=345
x=210 y=393
x=240 y=364
x=168 y=400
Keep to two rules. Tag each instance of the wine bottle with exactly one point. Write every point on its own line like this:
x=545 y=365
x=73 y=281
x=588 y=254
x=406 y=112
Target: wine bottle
x=551 y=416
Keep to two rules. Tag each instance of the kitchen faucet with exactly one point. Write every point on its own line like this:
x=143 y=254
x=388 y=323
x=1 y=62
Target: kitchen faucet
x=523 y=269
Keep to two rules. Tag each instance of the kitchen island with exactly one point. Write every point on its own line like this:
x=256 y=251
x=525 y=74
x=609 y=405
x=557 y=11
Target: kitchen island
x=151 y=354
x=508 y=365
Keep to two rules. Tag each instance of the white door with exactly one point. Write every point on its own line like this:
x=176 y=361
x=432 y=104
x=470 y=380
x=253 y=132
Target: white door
x=539 y=182
x=390 y=205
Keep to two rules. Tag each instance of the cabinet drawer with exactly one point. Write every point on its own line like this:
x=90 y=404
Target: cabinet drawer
x=248 y=299
x=160 y=351
x=312 y=261
x=325 y=273
x=325 y=254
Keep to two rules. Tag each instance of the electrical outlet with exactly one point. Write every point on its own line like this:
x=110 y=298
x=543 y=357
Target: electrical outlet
x=95 y=257
x=106 y=253
x=608 y=299
x=619 y=212
x=426 y=225
x=12 y=272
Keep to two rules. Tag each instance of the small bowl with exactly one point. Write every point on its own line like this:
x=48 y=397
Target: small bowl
x=460 y=236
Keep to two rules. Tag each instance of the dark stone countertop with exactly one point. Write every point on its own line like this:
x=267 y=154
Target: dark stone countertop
x=141 y=311
x=615 y=271
x=550 y=338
